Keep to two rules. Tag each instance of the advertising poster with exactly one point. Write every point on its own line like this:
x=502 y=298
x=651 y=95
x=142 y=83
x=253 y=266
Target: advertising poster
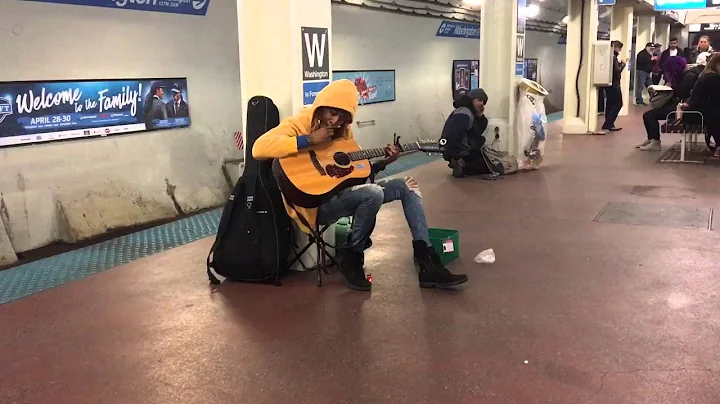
x=465 y=77
x=32 y=112
x=531 y=67
x=191 y=7
x=373 y=86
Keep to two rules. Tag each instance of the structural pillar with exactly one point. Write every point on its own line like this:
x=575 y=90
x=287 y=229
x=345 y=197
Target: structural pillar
x=662 y=34
x=500 y=39
x=581 y=97
x=291 y=62
x=645 y=34
x=621 y=29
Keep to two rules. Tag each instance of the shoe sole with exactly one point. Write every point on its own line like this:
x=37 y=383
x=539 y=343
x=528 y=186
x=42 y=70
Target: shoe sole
x=358 y=288
x=432 y=285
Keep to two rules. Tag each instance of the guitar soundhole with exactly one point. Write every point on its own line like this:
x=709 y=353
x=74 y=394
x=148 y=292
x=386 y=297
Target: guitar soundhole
x=338 y=172
x=341 y=159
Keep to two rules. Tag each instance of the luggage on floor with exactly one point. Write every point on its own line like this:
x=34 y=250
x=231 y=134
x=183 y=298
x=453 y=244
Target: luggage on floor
x=254 y=235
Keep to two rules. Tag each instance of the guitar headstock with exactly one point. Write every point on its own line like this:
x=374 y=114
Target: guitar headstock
x=429 y=146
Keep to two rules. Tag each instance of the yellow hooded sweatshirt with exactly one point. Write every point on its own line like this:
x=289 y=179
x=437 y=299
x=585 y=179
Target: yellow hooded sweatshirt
x=281 y=141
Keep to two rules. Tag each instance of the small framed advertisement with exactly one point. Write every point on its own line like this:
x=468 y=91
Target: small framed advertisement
x=373 y=86
x=465 y=77
x=46 y=111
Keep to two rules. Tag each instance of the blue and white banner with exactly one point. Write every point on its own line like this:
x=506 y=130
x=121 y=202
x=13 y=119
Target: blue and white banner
x=457 y=29
x=32 y=112
x=193 y=7
x=606 y=2
x=373 y=86
x=675 y=5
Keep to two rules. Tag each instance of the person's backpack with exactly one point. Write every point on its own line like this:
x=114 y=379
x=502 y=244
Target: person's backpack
x=254 y=234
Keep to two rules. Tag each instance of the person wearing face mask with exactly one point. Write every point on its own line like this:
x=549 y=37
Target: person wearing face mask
x=703 y=46
x=329 y=118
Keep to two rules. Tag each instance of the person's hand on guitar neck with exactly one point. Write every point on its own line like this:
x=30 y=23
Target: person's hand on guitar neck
x=391 y=154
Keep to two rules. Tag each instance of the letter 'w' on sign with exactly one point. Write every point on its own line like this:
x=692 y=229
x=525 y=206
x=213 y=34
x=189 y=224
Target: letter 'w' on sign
x=315 y=48
x=315 y=53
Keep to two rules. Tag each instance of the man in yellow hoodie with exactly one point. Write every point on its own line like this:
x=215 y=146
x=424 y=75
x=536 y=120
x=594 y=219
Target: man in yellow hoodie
x=330 y=117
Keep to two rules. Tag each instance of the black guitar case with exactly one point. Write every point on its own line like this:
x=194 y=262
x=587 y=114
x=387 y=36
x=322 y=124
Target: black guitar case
x=254 y=234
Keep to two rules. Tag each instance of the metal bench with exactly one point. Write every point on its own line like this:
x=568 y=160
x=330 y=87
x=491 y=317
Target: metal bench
x=689 y=140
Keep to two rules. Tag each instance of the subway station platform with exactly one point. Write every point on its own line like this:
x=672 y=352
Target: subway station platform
x=606 y=289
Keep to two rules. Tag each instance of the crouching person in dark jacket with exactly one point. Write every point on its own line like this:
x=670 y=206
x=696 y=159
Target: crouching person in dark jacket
x=462 y=137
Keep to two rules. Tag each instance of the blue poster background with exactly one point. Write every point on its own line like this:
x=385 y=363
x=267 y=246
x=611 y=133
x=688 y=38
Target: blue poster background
x=373 y=86
x=39 y=108
x=193 y=7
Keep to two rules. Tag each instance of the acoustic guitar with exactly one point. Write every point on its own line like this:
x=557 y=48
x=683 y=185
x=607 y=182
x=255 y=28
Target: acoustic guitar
x=317 y=173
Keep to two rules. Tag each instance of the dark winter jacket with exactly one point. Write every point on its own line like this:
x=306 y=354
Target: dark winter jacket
x=644 y=61
x=463 y=129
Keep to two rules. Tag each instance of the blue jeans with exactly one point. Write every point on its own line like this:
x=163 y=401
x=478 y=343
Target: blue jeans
x=644 y=80
x=363 y=203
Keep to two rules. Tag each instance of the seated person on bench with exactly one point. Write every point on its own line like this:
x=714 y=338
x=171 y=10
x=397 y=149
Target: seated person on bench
x=462 y=135
x=705 y=98
x=330 y=116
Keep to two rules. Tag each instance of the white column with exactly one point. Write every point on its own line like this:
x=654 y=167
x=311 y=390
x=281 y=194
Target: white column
x=498 y=44
x=645 y=34
x=271 y=49
x=621 y=30
x=662 y=34
x=580 y=115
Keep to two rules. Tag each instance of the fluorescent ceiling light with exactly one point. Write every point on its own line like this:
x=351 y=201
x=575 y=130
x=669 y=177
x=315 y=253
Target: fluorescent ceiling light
x=565 y=19
x=472 y=3
x=532 y=10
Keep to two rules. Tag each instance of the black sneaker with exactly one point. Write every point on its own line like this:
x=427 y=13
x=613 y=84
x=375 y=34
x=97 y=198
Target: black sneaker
x=432 y=272
x=351 y=267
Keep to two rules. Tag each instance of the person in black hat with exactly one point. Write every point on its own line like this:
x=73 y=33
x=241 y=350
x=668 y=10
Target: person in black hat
x=155 y=106
x=177 y=107
x=462 y=137
x=643 y=72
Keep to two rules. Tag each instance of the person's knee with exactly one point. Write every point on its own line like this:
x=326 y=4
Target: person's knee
x=397 y=188
x=372 y=195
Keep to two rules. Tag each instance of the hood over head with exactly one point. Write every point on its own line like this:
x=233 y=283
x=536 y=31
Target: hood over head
x=464 y=101
x=480 y=94
x=341 y=94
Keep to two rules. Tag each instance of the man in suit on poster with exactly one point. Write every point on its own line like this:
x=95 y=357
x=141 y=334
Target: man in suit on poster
x=177 y=107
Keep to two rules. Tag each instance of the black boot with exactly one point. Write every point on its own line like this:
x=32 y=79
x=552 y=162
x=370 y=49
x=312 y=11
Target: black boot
x=432 y=272
x=458 y=171
x=351 y=267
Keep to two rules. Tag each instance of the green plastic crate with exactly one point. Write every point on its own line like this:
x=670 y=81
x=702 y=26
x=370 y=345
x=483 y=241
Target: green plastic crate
x=449 y=251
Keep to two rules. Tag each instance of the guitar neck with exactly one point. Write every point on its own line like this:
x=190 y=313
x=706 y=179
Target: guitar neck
x=380 y=152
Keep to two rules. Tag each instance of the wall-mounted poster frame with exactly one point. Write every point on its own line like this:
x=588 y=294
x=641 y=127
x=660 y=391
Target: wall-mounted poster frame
x=45 y=111
x=465 y=77
x=373 y=86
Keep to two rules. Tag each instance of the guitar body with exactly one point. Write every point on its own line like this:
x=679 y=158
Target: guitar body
x=317 y=173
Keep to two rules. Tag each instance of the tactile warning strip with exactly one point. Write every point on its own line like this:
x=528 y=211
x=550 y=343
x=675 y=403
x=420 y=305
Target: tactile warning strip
x=37 y=276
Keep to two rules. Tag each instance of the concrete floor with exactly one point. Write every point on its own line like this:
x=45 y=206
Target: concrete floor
x=573 y=311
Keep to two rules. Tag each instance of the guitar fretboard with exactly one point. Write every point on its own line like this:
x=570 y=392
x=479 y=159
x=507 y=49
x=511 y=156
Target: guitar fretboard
x=379 y=152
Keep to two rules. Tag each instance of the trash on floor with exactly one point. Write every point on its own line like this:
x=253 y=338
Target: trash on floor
x=486 y=257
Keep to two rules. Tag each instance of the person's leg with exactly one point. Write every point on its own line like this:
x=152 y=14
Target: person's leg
x=652 y=120
x=641 y=81
x=397 y=190
x=362 y=202
x=614 y=104
x=432 y=272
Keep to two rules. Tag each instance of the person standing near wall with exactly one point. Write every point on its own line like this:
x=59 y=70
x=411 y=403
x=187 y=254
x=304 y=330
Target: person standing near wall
x=671 y=51
x=613 y=94
x=643 y=71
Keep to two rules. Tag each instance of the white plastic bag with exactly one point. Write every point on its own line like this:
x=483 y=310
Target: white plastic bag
x=486 y=257
x=530 y=125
